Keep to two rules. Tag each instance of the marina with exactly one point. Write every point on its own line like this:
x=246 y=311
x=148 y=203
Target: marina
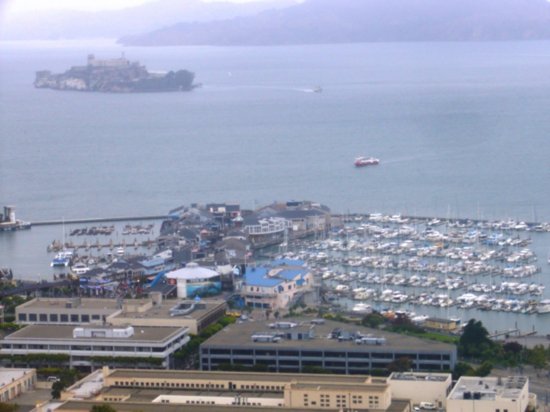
x=429 y=266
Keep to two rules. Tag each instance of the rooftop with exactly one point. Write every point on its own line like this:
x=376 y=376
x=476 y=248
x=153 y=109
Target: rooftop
x=234 y=376
x=488 y=388
x=163 y=311
x=239 y=335
x=45 y=333
x=49 y=304
x=420 y=376
x=8 y=375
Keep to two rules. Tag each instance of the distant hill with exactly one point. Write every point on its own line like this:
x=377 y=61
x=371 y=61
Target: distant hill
x=66 y=24
x=336 y=21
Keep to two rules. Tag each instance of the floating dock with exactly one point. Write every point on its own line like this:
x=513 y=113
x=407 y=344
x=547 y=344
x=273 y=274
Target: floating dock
x=99 y=220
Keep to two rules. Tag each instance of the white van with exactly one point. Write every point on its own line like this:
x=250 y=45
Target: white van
x=427 y=405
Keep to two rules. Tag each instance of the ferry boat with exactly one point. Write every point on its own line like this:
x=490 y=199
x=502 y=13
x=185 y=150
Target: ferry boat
x=362 y=161
x=63 y=258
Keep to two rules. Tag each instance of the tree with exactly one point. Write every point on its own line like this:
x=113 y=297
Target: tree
x=102 y=408
x=373 y=320
x=8 y=407
x=537 y=357
x=474 y=340
x=484 y=369
x=462 y=369
x=402 y=364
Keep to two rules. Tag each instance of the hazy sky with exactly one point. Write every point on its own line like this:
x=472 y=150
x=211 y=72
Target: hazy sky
x=93 y=5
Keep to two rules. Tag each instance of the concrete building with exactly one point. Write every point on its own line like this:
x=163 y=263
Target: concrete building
x=234 y=390
x=190 y=314
x=65 y=310
x=301 y=344
x=489 y=394
x=13 y=382
x=93 y=345
x=194 y=280
x=421 y=387
x=441 y=324
x=276 y=286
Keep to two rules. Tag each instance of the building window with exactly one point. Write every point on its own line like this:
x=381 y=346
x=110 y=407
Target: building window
x=54 y=317
x=32 y=317
x=22 y=317
x=74 y=318
x=64 y=318
x=85 y=318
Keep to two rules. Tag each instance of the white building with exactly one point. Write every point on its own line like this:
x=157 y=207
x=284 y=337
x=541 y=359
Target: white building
x=421 y=387
x=489 y=394
x=13 y=382
x=194 y=280
x=91 y=345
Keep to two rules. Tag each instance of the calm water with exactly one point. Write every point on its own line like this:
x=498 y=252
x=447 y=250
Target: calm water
x=461 y=130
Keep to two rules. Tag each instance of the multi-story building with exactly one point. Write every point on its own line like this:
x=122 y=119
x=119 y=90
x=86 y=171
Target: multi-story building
x=209 y=390
x=421 y=387
x=276 y=286
x=65 y=310
x=153 y=311
x=13 y=382
x=489 y=394
x=302 y=344
x=92 y=345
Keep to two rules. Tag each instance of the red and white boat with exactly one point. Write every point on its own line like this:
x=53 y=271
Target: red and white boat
x=366 y=161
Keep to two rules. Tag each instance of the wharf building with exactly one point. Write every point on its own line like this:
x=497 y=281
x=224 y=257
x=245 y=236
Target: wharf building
x=275 y=286
x=194 y=280
x=422 y=387
x=304 y=344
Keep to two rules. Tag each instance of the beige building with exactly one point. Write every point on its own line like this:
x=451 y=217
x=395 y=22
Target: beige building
x=442 y=325
x=421 y=387
x=153 y=311
x=206 y=390
x=170 y=313
x=13 y=382
x=489 y=394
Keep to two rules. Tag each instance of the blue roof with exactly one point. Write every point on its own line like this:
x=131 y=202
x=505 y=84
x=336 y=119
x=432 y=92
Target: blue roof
x=288 y=262
x=290 y=274
x=258 y=277
x=152 y=262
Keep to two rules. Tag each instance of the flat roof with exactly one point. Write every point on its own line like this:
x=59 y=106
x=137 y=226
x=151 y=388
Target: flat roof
x=420 y=376
x=65 y=332
x=488 y=388
x=9 y=375
x=239 y=336
x=202 y=309
x=149 y=395
x=85 y=406
x=49 y=304
x=242 y=376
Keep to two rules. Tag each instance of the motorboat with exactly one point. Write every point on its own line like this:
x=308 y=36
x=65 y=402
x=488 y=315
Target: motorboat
x=79 y=268
x=363 y=161
x=62 y=259
x=362 y=308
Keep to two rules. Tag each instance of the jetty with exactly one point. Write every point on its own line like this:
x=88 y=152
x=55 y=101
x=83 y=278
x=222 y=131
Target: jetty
x=99 y=220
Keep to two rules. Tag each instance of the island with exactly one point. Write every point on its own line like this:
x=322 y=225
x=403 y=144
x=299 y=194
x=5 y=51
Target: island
x=115 y=76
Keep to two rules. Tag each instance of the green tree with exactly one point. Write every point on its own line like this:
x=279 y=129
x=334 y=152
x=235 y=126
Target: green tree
x=537 y=357
x=373 y=320
x=462 y=369
x=402 y=364
x=8 y=407
x=475 y=341
x=484 y=369
x=102 y=408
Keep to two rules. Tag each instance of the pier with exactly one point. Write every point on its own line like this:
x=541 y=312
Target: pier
x=99 y=220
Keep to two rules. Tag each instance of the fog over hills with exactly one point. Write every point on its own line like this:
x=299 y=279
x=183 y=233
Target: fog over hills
x=335 y=21
x=65 y=24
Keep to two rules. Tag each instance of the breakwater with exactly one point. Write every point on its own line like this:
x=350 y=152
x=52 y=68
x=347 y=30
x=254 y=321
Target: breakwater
x=98 y=220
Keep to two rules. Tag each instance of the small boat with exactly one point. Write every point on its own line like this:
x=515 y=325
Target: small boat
x=120 y=251
x=362 y=161
x=317 y=89
x=79 y=268
x=362 y=308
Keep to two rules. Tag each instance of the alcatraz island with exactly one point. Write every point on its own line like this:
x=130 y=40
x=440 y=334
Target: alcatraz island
x=115 y=76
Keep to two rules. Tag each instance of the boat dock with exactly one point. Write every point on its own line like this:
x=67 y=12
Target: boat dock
x=99 y=220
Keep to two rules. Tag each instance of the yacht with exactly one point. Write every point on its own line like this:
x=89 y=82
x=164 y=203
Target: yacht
x=543 y=306
x=79 y=268
x=362 y=308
